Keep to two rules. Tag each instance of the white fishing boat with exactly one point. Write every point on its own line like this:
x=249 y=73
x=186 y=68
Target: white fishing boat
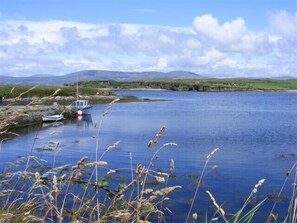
x=82 y=107
x=52 y=118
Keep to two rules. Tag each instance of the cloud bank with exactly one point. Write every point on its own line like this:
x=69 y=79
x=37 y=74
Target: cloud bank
x=206 y=47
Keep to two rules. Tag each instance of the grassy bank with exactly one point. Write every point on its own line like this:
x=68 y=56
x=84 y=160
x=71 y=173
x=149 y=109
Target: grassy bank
x=12 y=91
x=199 y=85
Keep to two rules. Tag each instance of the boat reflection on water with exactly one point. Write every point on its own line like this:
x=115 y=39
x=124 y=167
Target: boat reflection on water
x=51 y=124
x=81 y=121
x=84 y=121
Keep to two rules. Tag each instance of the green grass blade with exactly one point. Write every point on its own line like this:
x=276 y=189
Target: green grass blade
x=248 y=216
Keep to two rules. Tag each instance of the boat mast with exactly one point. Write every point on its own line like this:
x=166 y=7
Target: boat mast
x=76 y=87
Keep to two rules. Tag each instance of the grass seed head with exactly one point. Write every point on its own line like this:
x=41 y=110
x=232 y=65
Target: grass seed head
x=150 y=143
x=152 y=198
x=55 y=184
x=114 y=101
x=169 y=144
x=195 y=216
x=218 y=208
x=172 y=165
x=37 y=176
x=166 y=190
x=212 y=153
x=75 y=167
x=159 y=134
x=110 y=171
x=113 y=146
x=259 y=184
x=82 y=161
x=56 y=92
x=139 y=170
x=97 y=163
x=160 y=179
x=162 y=174
x=147 y=191
x=63 y=176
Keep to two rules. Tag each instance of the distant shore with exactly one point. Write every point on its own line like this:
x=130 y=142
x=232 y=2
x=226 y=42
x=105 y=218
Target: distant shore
x=201 y=85
x=139 y=89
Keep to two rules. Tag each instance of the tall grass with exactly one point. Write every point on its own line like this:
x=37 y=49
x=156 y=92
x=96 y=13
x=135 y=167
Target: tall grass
x=51 y=195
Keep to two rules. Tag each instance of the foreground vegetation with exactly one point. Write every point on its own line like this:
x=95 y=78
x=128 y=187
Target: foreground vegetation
x=87 y=191
x=199 y=85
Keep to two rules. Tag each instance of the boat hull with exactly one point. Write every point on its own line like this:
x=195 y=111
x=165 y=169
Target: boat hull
x=86 y=110
x=52 y=118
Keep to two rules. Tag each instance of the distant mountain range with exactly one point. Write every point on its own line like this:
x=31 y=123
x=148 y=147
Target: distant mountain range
x=91 y=75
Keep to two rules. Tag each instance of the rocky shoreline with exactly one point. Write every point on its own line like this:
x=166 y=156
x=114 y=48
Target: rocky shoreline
x=66 y=100
x=29 y=111
x=19 y=116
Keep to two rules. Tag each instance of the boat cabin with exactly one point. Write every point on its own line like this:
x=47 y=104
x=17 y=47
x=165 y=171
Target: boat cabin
x=81 y=103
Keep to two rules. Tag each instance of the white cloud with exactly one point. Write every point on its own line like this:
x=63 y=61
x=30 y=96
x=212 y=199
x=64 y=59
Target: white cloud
x=208 y=47
x=231 y=36
x=283 y=26
x=229 y=32
x=193 y=43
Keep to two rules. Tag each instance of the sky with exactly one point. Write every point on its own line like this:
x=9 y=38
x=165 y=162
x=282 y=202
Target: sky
x=215 y=38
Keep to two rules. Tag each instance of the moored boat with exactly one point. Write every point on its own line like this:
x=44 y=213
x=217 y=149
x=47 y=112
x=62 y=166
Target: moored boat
x=82 y=107
x=52 y=118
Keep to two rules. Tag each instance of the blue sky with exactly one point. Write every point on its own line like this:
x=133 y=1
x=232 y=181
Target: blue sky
x=223 y=38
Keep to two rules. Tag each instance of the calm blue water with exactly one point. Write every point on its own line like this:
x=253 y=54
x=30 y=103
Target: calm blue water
x=255 y=131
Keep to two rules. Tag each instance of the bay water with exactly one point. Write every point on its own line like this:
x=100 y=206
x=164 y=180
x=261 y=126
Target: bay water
x=256 y=133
